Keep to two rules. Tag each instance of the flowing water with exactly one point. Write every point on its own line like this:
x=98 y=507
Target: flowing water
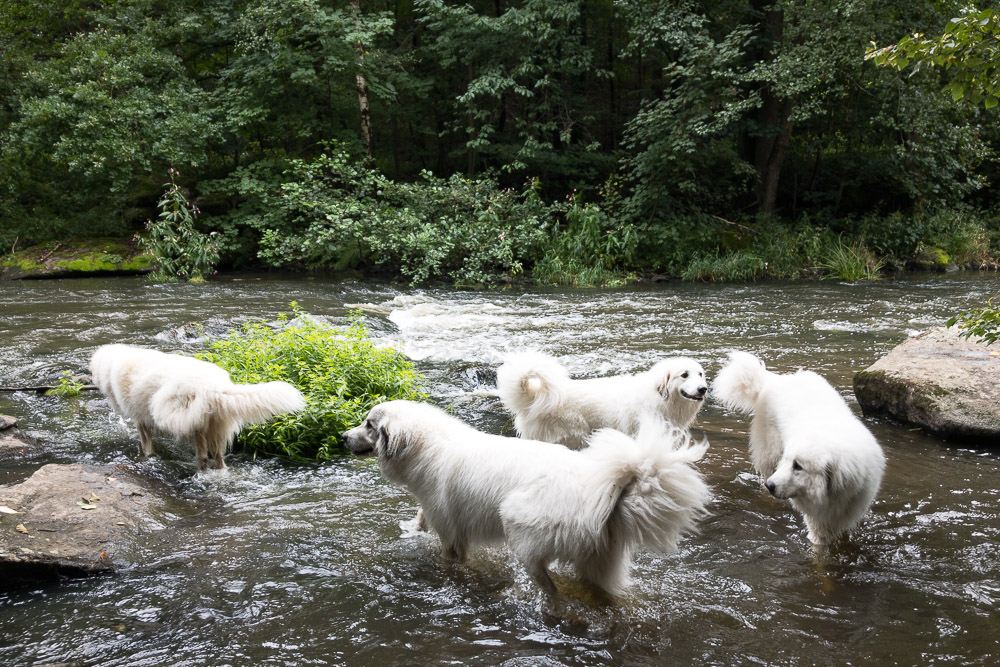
x=270 y=563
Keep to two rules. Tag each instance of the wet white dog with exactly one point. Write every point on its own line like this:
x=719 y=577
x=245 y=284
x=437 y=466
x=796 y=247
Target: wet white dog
x=587 y=508
x=548 y=405
x=805 y=443
x=187 y=398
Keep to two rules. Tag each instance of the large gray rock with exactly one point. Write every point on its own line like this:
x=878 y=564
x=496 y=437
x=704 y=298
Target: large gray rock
x=70 y=520
x=937 y=380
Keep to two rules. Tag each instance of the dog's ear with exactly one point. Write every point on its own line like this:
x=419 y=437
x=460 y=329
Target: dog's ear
x=835 y=482
x=663 y=386
x=389 y=442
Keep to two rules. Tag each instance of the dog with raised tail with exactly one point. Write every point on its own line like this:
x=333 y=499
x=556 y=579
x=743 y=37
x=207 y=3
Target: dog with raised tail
x=189 y=399
x=806 y=443
x=548 y=405
x=590 y=508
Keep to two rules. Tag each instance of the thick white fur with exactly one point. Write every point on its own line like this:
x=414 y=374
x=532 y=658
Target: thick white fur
x=548 y=405
x=805 y=443
x=187 y=398
x=587 y=508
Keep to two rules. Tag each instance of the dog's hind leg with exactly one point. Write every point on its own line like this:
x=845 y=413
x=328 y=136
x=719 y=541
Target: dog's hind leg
x=201 y=450
x=454 y=550
x=145 y=438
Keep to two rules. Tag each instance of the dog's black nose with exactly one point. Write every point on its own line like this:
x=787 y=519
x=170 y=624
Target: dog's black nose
x=702 y=390
x=770 y=487
x=343 y=436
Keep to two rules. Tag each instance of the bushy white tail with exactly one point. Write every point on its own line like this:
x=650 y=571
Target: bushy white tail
x=739 y=383
x=662 y=495
x=533 y=388
x=228 y=406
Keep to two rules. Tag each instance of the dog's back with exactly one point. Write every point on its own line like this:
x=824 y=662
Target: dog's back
x=187 y=398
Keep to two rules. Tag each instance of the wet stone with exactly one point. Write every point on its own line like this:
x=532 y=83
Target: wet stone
x=68 y=521
x=948 y=385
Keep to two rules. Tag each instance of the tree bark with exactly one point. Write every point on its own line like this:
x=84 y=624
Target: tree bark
x=362 y=85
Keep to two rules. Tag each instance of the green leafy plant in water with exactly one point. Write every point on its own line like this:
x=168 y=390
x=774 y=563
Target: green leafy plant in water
x=67 y=387
x=981 y=323
x=850 y=262
x=341 y=372
x=178 y=250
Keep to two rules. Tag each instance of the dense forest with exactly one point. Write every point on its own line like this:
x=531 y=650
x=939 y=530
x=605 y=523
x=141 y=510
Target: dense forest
x=584 y=140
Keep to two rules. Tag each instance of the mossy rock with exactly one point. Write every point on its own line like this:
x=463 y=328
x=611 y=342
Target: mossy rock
x=76 y=258
x=931 y=259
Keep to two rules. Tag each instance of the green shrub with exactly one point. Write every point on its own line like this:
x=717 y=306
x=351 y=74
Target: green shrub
x=594 y=249
x=341 y=373
x=177 y=250
x=982 y=323
x=335 y=212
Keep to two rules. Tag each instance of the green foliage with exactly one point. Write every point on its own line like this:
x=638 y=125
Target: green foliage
x=178 y=251
x=593 y=249
x=335 y=212
x=341 y=372
x=969 y=49
x=850 y=262
x=981 y=323
x=68 y=386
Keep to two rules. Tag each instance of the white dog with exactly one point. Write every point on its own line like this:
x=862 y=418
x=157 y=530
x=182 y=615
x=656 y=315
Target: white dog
x=588 y=508
x=805 y=443
x=188 y=398
x=547 y=405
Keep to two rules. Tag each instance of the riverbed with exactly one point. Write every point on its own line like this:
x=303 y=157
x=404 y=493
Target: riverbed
x=273 y=563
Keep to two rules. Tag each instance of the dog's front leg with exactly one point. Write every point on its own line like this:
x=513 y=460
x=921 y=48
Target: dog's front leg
x=145 y=438
x=539 y=573
x=454 y=550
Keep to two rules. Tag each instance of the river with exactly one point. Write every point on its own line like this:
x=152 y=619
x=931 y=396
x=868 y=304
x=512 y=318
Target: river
x=272 y=563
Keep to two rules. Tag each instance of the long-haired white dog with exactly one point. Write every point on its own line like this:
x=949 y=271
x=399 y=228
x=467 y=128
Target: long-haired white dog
x=187 y=398
x=805 y=443
x=548 y=405
x=588 y=508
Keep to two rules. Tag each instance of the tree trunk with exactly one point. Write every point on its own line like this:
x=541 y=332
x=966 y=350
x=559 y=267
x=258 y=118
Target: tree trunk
x=362 y=85
x=774 y=130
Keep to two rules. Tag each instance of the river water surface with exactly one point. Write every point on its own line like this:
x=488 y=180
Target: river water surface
x=270 y=563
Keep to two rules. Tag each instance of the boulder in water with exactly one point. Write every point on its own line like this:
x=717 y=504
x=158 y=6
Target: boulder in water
x=68 y=521
x=946 y=384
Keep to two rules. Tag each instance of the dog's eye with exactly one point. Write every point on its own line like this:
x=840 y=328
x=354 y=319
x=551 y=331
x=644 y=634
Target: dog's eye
x=684 y=374
x=796 y=466
x=368 y=424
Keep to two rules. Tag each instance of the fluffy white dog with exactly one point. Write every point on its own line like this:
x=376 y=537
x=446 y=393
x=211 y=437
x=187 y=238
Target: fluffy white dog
x=805 y=443
x=547 y=405
x=187 y=398
x=588 y=508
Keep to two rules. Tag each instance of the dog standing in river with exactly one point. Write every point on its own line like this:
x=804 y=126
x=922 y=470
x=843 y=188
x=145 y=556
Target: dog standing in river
x=548 y=405
x=805 y=442
x=589 y=508
x=190 y=399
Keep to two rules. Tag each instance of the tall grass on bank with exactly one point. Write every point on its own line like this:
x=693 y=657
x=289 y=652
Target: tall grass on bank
x=341 y=372
x=850 y=262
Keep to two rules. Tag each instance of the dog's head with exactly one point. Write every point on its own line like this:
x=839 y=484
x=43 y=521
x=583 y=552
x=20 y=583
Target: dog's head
x=681 y=377
x=808 y=475
x=377 y=436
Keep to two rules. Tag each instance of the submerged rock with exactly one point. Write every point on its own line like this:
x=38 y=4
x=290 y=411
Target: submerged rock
x=948 y=385
x=68 y=521
x=15 y=444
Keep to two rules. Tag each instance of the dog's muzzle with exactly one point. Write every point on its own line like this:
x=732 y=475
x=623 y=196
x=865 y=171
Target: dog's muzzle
x=697 y=396
x=358 y=446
